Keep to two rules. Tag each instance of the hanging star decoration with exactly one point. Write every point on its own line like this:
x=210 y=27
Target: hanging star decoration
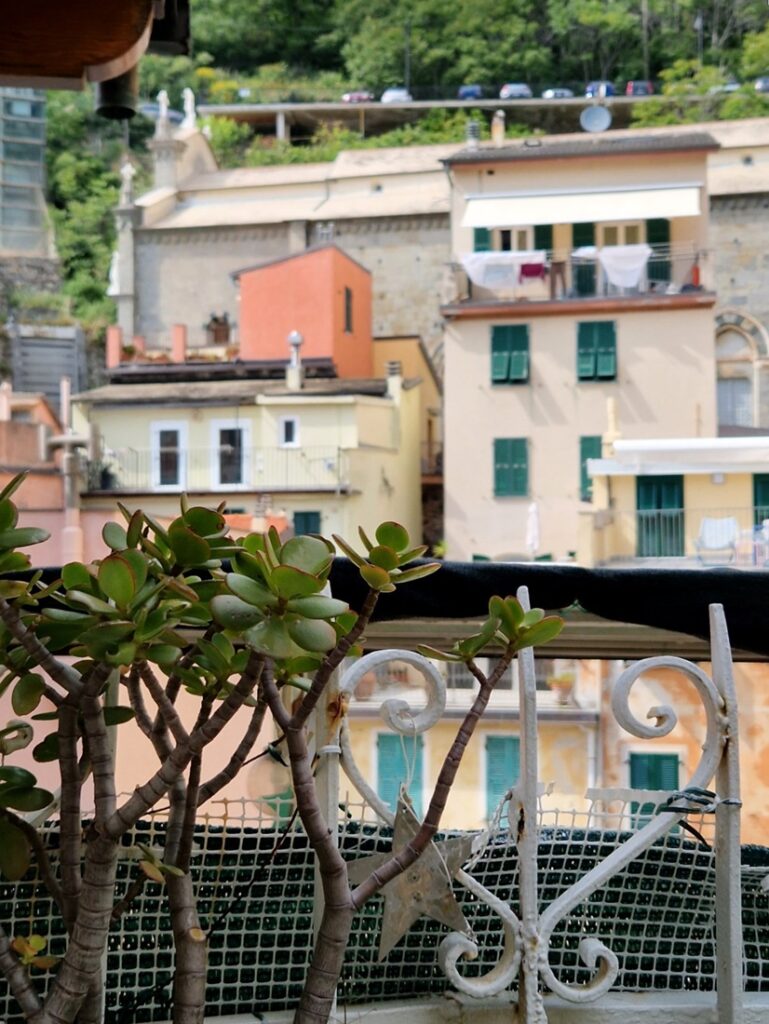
x=424 y=888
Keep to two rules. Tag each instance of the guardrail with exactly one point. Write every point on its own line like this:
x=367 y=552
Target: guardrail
x=225 y=468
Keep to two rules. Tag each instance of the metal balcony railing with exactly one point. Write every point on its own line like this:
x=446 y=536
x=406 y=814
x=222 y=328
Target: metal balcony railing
x=588 y=272
x=699 y=536
x=226 y=468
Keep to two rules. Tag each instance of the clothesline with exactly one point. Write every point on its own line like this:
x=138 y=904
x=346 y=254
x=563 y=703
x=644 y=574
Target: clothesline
x=623 y=265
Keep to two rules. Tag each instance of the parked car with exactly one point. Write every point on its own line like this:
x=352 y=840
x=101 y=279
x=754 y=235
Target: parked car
x=599 y=90
x=470 y=92
x=635 y=87
x=153 y=110
x=762 y=84
x=557 y=92
x=357 y=96
x=515 y=91
x=396 y=94
x=730 y=86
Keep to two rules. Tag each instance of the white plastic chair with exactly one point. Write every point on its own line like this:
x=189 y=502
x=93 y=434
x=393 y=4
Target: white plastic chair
x=717 y=536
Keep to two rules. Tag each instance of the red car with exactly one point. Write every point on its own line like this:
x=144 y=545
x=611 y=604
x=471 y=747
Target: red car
x=358 y=96
x=638 y=88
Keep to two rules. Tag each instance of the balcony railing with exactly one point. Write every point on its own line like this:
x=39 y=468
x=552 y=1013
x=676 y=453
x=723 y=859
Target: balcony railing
x=695 y=536
x=589 y=272
x=219 y=469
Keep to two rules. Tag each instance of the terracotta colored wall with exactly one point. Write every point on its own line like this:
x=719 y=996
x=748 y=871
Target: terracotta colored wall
x=306 y=294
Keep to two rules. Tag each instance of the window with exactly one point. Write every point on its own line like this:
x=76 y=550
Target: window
x=502 y=769
x=620 y=234
x=230 y=444
x=399 y=760
x=735 y=401
x=589 y=448
x=169 y=455
x=596 y=350
x=511 y=467
x=651 y=771
x=760 y=498
x=481 y=240
x=306 y=522
x=289 y=432
x=348 y=310
x=510 y=354
x=543 y=237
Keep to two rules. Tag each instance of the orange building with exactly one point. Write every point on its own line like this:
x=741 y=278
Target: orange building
x=324 y=295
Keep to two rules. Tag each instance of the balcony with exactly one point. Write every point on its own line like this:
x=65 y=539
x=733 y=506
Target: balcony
x=639 y=274
x=685 y=537
x=172 y=470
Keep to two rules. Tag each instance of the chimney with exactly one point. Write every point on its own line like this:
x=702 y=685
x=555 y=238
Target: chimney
x=498 y=128
x=472 y=134
x=179 y=343
x=6 y=390
x=394 y=371
x=294 y=375
x=114 y=348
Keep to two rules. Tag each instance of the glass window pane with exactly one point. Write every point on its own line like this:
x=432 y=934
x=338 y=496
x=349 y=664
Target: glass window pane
x=735 y=401
x=23 y=174
x=22 y=151
x=231 y=456
x=632 y=234
x=169 y=458
x=20 y=216
x=24 y=129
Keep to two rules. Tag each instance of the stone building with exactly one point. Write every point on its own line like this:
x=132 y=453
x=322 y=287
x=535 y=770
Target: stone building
x=178 y=243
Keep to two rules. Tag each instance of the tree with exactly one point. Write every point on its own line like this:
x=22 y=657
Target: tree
x=160 y=613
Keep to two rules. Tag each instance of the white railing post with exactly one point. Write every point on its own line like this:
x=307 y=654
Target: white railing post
x=523 y=824
x=729 y=953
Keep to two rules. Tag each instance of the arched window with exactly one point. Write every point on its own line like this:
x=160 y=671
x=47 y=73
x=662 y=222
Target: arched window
x=740 y=356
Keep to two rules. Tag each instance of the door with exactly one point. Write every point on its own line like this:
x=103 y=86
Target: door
x=658 y=236
x=659 y=516
x=583 y=270
x=760 y=498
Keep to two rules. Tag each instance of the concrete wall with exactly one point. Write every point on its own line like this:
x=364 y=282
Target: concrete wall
x=665 y=387
x=307 y=294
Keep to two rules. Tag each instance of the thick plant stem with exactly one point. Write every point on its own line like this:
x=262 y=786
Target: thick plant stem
x=328 y=956
x=191 y=946
x=70 y=823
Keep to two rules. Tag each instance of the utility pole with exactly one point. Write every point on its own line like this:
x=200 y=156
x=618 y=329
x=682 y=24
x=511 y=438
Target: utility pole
x=407 y=54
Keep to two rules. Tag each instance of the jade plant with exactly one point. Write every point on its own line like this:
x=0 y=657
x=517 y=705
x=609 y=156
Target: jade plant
x=238 y=624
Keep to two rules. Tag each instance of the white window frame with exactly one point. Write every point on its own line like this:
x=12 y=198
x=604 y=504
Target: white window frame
x=245 y=427
x=181 y=427
x=282 y=443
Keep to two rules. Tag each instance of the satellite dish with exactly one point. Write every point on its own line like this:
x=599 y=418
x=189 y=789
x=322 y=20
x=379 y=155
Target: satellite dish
x=595 y=119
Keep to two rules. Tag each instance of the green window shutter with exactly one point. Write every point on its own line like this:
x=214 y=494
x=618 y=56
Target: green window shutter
x=658 y=233
x=519 y=353
x=395 y=756
x=760 y=498
x=503 y=467
x=589 y=448
x=520 y=467
x=502 y=768
x=583 y=234
x=651 y=771
x=543 y=236
x=500 y=354
x=306 y=522
x=481 y=240
x=606 y=351
x=586 y=351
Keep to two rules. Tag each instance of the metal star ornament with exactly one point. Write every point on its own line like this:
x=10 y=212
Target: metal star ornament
x=424 y=888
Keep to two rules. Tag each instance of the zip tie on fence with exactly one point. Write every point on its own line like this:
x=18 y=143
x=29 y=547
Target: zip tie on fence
x=705 y=801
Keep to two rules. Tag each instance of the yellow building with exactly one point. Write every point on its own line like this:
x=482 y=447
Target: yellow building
x=582 y=279
x=325 y=455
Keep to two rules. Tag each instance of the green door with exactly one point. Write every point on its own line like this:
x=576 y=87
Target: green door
x=502 y=769
x=760 y=498
x=658 y=234
x=583 y=271
x=659 y=516
x=399 y=759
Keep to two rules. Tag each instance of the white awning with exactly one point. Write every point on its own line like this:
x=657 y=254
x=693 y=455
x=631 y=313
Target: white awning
x=582 y=207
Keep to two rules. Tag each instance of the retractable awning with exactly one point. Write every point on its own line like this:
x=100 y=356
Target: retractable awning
x=619 y=204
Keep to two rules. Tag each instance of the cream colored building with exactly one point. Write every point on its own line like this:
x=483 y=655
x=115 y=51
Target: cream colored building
x=328 y=455
x=582 y=303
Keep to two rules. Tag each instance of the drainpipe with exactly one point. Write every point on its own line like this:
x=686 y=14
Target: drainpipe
x=294 y=373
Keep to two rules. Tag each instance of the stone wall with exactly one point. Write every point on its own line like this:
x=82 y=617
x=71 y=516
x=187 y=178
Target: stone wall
x=739 y=229
x=182 y=276
x=28 y=273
